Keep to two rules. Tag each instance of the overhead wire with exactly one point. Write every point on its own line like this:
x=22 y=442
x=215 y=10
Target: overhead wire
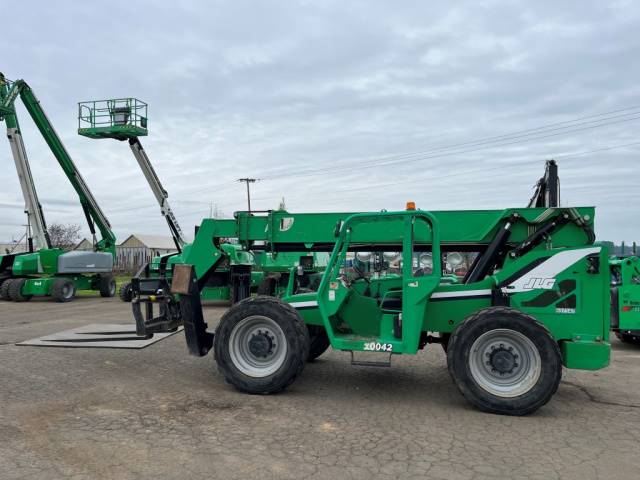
x=418 y=179
x=495 y=138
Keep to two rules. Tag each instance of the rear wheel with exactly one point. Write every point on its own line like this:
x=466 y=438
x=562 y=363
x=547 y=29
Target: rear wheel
x=107 y=285
x=4 y=289
x=63 y=290
x=444 y=341
x=504 y=361
x=261 y=345
x=126 y=294
x=15 y=290
x=318 y=341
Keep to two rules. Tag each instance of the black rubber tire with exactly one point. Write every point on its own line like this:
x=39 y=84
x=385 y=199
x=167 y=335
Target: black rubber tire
x=107 y=285
x=295 y=332
x=444 y=343
x=126 y=294
x=492 y=318
x=268 y=286
x=15 y=290
x=318 y=341
x=4 y=289
x=63 y=290
x=627 y=337
x=239 y=291
x=615 y=309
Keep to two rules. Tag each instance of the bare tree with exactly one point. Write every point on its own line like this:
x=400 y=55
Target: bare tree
x=64 y=236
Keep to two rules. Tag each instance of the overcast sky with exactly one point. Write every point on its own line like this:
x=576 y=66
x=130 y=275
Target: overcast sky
x=335 y=106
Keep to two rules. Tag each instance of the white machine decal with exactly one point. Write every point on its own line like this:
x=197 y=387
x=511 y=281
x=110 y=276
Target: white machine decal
x=543 y=276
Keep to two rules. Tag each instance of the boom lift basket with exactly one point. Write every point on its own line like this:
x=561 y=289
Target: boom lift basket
x=119 y=118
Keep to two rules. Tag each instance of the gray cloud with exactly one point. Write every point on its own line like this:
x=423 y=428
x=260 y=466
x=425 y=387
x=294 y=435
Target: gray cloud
x=268 y=89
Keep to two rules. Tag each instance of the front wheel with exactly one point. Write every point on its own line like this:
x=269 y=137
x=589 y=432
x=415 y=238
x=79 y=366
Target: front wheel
x=15 y=290
x=504 y=361
x=107 y=285
x=126 y=293
x=63 y=290
x=4 y=289
x=261 y=345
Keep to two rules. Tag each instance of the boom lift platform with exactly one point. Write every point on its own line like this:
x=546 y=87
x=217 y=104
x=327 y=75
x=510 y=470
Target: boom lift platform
x=43 y=270
x=535 y=299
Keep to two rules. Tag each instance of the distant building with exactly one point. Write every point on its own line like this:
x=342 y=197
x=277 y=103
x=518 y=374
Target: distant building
x=84 y=244
x=137 y=250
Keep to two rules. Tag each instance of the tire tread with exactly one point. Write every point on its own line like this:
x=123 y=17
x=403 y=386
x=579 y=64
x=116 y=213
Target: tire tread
x=457 y=335
x=276 y=384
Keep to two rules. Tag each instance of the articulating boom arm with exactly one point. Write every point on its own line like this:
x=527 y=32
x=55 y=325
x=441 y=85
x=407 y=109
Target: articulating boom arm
x=33 y=209
x=90 y=207
x=157 y=189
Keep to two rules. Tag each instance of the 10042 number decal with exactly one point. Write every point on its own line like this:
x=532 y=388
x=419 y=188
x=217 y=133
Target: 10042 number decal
x=378 y=347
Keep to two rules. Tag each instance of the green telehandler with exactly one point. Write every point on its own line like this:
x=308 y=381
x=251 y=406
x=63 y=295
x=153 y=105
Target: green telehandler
x=44 y=270
x=535 y=298
x=625 y=298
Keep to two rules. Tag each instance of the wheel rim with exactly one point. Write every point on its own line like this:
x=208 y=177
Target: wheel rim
x=67 y=291
x=112 y=288
x=505 y=363
x=257 y=346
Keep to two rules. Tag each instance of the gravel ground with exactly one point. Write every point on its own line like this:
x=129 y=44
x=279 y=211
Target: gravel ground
x=160 y=413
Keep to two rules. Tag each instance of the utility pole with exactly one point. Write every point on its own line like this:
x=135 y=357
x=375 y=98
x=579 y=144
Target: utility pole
x=248 y=181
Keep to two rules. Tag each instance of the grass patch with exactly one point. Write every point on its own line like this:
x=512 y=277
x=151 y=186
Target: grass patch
x=120 y=280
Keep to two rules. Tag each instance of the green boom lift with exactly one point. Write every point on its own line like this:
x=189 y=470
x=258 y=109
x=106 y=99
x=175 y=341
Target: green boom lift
x=535 y=299
x=241 y=272
x=43 y=270
x=126 y=119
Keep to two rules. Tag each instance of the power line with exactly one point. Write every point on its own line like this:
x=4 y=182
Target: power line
x=455 y=174
x=496 y=141
x=537 y=133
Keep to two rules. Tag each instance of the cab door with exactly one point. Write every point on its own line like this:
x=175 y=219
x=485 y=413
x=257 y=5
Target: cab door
x=421 y=239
